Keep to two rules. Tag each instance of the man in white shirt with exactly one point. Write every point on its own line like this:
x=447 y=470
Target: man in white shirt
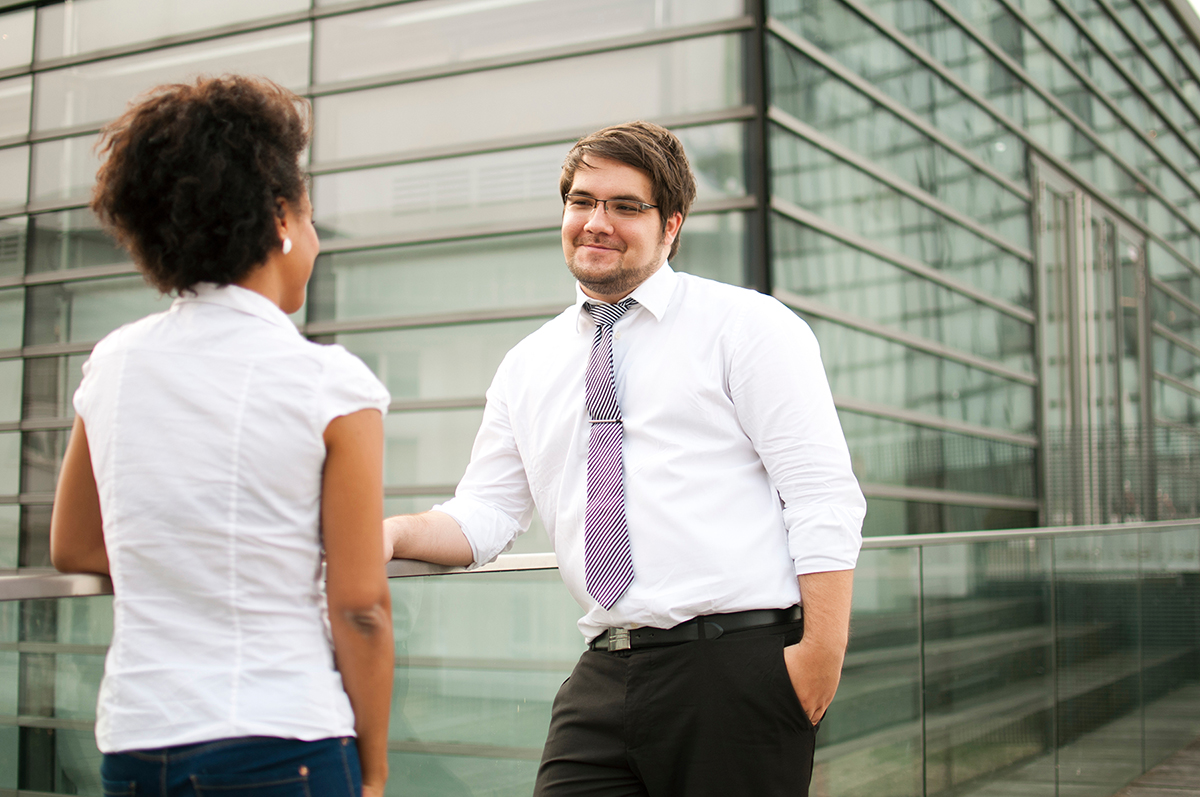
x=679 y=440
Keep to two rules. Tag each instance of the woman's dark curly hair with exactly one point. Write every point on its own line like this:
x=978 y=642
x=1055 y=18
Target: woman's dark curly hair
x=193 y=175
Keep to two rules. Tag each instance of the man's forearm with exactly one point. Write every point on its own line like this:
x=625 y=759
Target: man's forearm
x=428 y=537
x=815 y=664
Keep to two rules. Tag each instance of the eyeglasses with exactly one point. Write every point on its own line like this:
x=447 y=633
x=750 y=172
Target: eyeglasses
x=617 y=208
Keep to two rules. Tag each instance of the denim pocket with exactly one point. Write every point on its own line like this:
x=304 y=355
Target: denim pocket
x=286 y=783
x=118 y=788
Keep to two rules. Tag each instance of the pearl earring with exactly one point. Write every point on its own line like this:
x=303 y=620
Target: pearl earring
x=287 y=245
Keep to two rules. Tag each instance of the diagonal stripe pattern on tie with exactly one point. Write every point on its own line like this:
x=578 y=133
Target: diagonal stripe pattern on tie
x=608 y=562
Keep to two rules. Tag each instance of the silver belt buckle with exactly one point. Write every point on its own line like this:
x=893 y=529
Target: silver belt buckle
x=618 y=639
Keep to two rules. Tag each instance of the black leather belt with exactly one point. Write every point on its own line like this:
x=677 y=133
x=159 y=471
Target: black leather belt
x=706 y=626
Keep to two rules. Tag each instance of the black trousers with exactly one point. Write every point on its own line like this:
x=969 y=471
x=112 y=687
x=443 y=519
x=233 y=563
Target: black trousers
x=711 y=717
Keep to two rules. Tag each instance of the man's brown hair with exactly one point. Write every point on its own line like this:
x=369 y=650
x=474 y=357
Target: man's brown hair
x=646 y=146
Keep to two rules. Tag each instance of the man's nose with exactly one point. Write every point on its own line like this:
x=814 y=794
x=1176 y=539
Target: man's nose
x=598 y=221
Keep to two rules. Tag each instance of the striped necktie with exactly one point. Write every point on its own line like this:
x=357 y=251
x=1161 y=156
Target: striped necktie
x=607 y=561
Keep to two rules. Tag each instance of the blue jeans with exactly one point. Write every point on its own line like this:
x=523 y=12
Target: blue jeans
x=253 y=766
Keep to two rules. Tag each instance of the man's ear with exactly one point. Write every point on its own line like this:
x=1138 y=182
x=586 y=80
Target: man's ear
x=671 y=231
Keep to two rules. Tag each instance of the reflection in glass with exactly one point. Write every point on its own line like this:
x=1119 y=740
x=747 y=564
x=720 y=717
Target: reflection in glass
x=683 y=77
x=10 y=464
x=452 y=362
x=459 y=276
x=64 y=170
x=889 y=452
x=12 y=317
x=84 y=26
x=854 y=200
x=10 y=390
x=478 y=662
x=815 y=96
x=13 y=231
x=71 y=239
x=445 y=32
x=1098 y=695
x=870 y=741
x=428 y=447
x=712 y=245
x=1177 y=469
x=811 y=264
x=15 y=96
x=50 y=384
x=871 y=368
x=96 y=92
x=86 y=311
x=888 y=517
x=989 y=687
x=14 y=176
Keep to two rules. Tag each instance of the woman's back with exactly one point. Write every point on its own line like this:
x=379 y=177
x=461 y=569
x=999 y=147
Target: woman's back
x=205 y=426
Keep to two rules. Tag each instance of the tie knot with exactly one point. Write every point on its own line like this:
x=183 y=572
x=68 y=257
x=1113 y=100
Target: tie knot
x=608 y=314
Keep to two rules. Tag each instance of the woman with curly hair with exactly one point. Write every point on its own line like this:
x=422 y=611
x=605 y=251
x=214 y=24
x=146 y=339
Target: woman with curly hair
x=215 y=454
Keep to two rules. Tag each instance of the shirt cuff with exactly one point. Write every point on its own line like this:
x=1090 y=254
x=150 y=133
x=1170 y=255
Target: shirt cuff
x=824 y=538
x=489 y=531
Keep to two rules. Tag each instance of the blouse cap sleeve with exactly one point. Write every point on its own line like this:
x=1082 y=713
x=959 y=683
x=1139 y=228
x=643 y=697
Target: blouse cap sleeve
x=348 y=386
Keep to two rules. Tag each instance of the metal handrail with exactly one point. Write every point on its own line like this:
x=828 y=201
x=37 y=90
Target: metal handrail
x=35 y=583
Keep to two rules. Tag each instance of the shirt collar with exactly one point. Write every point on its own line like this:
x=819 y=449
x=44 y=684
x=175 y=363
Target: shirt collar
x=654 y=294
x=237 y=298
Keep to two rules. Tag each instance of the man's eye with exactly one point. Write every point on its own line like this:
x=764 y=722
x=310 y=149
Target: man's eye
x=580 y=202
x=625 y=207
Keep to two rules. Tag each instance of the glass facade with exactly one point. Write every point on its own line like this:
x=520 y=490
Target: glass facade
x=987 y=210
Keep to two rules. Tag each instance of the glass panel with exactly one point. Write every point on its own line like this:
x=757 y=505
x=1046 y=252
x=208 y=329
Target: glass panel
x=1165 y=266
x=459 y=276
x=16 y=49
x=1099 y=708
x=10 y=464
x=41 y=457
x=1172 y=404
x=1175 y=316
x=72 y=239
x=857 y=201
x=438 y=362
x=664 y=80
x=811 y=264
x=444 y=32
x=852 y=41
x=812 y=94
x=14 y=176
x=10 y=390
x=84 y=26
x=494 y=189
x=1177 y=472
x=86 y=311
x=431 y=447
x=1170 y=658
x=870 y=740
x=478 y=662
x=1176 y=361
x=876 y=369
x=988 y=638
x=713 y=245
x=15 y=96
x=50 y=384
x=10 y=534
x=64 y=170
x=12 y=246
x=98 y=91
x=12 y=317
x=34 y=548
x=890 y=452
x=888 y=517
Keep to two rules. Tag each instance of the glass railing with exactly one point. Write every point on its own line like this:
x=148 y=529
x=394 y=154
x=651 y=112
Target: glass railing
x=1037 y=662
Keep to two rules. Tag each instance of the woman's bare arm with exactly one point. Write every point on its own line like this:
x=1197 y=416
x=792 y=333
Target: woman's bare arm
x=76 y=528
x=360 y=607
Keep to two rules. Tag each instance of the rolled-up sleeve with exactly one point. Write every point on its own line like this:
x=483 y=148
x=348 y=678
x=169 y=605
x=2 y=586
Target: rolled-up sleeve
x=493 y=503
x=784 y=404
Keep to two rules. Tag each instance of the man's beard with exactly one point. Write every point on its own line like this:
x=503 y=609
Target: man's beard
x=618 y=280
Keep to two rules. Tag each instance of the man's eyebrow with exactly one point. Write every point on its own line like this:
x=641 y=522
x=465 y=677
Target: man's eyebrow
x=625 y=197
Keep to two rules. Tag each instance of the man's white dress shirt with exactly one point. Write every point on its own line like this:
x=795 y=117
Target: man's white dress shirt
x=205 y=425
x=737 y=476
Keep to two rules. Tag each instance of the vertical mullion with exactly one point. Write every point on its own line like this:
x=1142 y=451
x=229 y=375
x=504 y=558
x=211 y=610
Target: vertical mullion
x=758 y=165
